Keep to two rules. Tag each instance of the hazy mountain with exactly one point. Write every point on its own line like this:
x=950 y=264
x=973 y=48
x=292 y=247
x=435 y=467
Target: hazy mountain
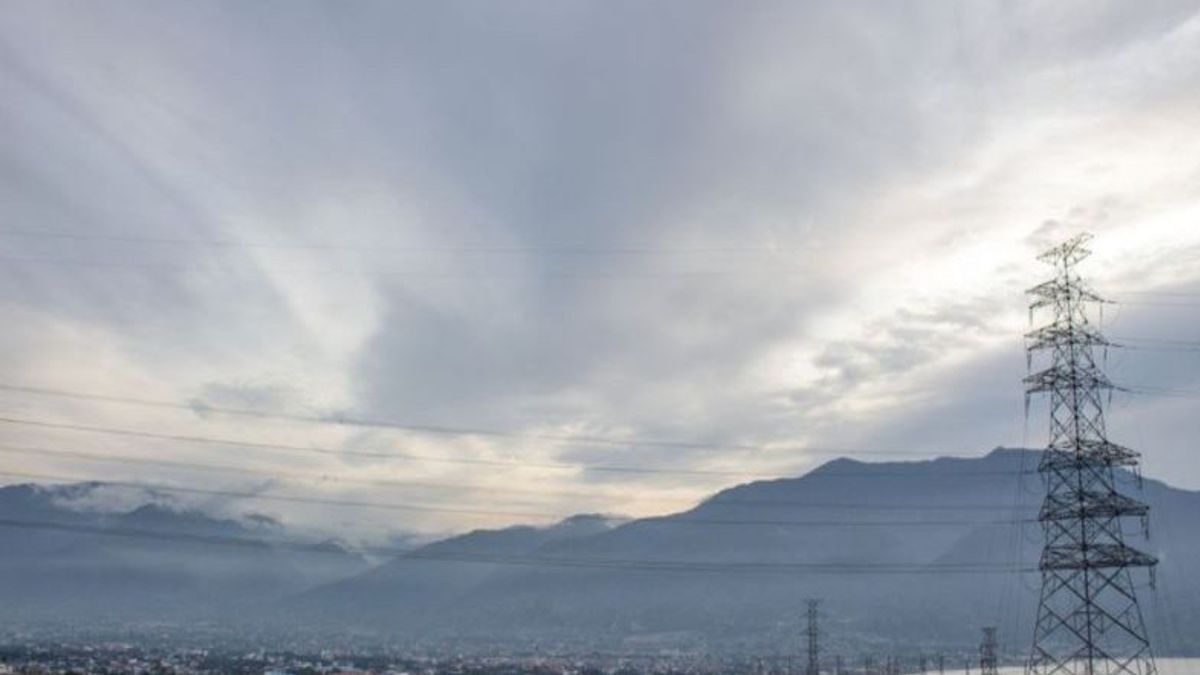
x=60 y=561
x=900 y=551
x=906 y=555
x=414 y=587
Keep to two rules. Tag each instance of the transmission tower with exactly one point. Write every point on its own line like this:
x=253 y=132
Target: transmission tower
x=987 y=653
x=1089 y=621
x=814 y=648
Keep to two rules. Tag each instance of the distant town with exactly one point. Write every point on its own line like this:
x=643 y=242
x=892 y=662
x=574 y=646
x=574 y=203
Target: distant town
x=142 y=655
x=116 y=658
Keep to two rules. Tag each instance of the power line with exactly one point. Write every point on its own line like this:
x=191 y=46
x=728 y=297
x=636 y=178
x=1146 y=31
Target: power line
x=336 y=452
x=522 y=273
x=525 y=273
x=324 y=478
x=1153 y=344
x=1158 y=348
x=341 y=420
x=244 y=494
x=1163 y=391
x=459 y=275
x=721 y=501
x=674 y=520
x=573 y=249
x=1181 y=294
x=273 y=474
x=1182 y=343
x=840 y=473
x=524 y=560
x=1153 y=303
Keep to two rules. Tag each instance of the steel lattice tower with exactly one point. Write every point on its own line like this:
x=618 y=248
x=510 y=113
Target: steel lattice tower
x=814 y=650
x=988 y=662
x=1088 y=621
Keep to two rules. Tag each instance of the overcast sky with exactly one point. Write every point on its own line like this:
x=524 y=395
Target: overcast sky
x=768 y=233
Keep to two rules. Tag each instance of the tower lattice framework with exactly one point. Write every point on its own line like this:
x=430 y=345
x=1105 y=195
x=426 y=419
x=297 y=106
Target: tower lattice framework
x=1089 y=621
x=813 y=666
x=988 y=660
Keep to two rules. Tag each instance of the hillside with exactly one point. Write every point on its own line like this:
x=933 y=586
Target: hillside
x=150 y=562
x=911 y=553
x=906 y=555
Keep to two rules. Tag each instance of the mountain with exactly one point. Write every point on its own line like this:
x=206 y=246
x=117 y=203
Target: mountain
x=60 y=562
x=909 y=556
x=916 y=554
x=431 y=579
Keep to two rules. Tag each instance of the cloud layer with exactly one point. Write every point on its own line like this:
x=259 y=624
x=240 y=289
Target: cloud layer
x=774 y=231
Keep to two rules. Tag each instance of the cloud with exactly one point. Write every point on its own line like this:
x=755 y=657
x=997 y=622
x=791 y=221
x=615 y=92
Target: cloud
x=762 y=229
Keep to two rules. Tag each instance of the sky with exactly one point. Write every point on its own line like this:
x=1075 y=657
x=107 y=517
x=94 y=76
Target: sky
x=541 y=241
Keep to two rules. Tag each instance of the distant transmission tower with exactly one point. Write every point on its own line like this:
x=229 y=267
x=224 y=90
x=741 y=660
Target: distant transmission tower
x=987 y=653
x=814 y=648
x=1089 y=621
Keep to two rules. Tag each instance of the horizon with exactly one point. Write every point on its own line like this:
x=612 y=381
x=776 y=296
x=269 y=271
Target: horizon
x=134 y=497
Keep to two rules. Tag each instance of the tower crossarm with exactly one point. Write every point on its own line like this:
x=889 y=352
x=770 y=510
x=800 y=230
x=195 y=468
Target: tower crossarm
x=1095 y=556
x=1057 y=335
x=1069 y=252
x=1088 y=454
x=1057 y=292
x=1067 y=506
x=1059 y=377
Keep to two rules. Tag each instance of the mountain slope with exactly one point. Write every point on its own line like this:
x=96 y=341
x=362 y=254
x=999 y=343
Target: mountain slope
x=61 y=562
x=412 y=589
x=893 y=529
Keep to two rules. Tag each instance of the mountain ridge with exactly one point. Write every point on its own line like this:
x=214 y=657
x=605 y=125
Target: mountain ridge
x=909 y=554
x=63 y=561
x=984 y=510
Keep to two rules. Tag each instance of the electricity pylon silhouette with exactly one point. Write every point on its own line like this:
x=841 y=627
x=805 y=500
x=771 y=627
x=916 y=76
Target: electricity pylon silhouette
x=1088 y=621
x=988 y=662
x=814 y=650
